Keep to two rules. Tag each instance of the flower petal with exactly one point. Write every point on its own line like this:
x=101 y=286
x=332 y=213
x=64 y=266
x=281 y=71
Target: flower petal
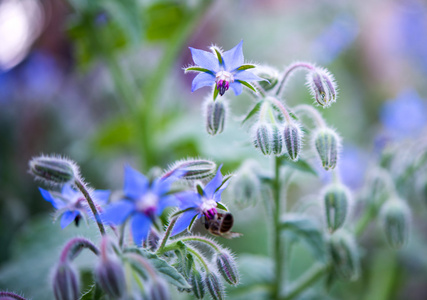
x=188 y=199
x=213 y=184
x=205 y=59
x=101 y=196
x=48 y=197
x=217 y=196
x=135 y=184
x=237 y=87
x=116 y=213
x=183 y=221
x=234 y=58
x=140 y=228
x=201 y=80
x=68 y=217
x=69 y=192
x=166 y=201
x=247 y=76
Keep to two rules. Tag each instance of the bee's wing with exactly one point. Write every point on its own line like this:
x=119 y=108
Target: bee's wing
x=231 y=235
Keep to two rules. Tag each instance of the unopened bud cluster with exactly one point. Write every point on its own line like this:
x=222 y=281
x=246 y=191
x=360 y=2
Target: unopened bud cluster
x=66 y=282
x=215 y=113
x=327 y=144
x=53 y=170
x=336 y=200
x=322 y=86
x=396 y=218
x=193 y=169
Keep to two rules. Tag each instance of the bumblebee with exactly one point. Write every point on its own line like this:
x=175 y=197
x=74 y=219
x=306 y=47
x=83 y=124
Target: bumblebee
x=220 y=225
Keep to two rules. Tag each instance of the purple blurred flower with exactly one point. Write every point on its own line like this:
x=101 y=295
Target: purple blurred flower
x=223 y=70
x=71 y=204
x=197 y=205
x=335 y=39
x=404 y=116
x=143 y=201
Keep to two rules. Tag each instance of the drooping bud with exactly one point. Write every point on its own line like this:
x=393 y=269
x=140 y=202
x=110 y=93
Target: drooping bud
x=277 y=140
x=268 y=73
x=396 y=218
x=197 y=284
x=344 y=254
x=66 y=284
x=53 y=169
x=246 y=186
x=227 y=267
x=193 y=169
x=292 y=135
x=336 y=198
x=327 y=143
x=158 y=290
x=215 y=286
x=378 y=186
x=263 y=137
x=216 y=112
x=111 y=277
x=322 y=86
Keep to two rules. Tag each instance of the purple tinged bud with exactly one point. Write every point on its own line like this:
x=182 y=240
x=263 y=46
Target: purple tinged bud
x=277 y=140
x=322 y=86
x=292 y=135
x=111 y=277
x=158 y=290
x=216 y=112
x=194 y=169
x=336 y=200
x=228 y=268
x=327 y=143
x=53 y=170
x=197 y=284
x=396 y=218
x=345 y=256
x=215 y=286
x=66 y=284
x=263 y=138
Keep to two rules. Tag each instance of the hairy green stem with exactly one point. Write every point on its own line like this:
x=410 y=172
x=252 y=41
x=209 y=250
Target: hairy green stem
x=288 y=72
x=73 y=247
x=306 y=280
x=81 y=186
x=167 y=233
x=278 y=247
x=201 y=239
x=314 y=114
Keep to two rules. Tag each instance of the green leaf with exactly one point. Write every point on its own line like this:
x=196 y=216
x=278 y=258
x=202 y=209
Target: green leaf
x=245 y=67
x=300 y=165
x=248 y=85
x=198 y=69
x=304 y=228
x=221 y=206
x=254 y=110
x=164 y=18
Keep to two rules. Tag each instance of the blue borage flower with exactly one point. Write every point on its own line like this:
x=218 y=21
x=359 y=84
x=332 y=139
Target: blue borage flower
x=71 y=204
x=222 y=69
x=142 y=202
x=204 y=202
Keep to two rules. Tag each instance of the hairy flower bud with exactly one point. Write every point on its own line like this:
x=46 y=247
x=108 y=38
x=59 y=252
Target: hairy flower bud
x=336 y=198
x=215 y=286
x=292 y=135
x=277 y=140
x=197 y=284
x=344 y=254
x=327 y=143
x=268 y=73
x=215 y=116
x=194 y=169
x=227 y=267
x=396 y=218
x=378 y=185
x=158 y=290
x=53 y=169
x=111 y=277
x=322 y=86
x=65 y=283
x=263 y=138
x=246 y=186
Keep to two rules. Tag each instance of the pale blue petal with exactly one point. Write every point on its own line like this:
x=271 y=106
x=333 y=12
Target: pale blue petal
x=135 y=184
x=204 y=59
x=201 y=80
x=188 y=199
x=166 y=201
x=101 y=196
x=69 y=192
x=183 y=221
x=236 y=87
x=140 y=228
x=217 y=196
x=116 y=213
x=247 y=76
x=48 y=197
x=68 y=217
x=233 y=58
x=213 y=184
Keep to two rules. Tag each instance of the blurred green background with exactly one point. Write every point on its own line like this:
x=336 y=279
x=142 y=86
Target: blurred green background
x=101 y=82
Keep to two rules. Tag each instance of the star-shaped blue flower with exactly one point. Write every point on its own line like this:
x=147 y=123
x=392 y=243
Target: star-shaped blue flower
x=71 y=204
x=222 y=69
x=203 y=203
x=143 y=201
